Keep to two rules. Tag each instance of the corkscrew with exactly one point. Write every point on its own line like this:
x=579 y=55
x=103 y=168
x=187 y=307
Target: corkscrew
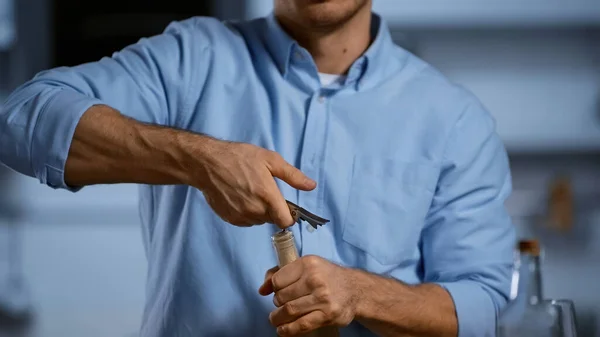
x=299 y=213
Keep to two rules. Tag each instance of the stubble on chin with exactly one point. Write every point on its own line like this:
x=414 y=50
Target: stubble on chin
x=326 y=15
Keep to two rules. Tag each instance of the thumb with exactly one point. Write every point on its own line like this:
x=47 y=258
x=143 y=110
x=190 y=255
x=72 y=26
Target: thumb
x=267 y=287
x=292 y=176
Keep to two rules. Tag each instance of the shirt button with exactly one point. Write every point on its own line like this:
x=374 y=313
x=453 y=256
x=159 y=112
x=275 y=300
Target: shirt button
x=310 y=228
x=321 y=99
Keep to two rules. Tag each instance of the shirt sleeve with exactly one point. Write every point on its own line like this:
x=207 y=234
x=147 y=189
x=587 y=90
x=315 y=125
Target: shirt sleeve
x=468 y=240
x=148 y=81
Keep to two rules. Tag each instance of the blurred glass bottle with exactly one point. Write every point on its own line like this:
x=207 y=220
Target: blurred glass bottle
x=528 y=314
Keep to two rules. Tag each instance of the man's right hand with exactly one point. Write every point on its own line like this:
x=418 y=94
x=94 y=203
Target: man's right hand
x=237 y=180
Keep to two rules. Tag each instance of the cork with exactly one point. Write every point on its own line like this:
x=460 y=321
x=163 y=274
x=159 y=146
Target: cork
x=285 y=247
x=531 y=247
x=286 y=250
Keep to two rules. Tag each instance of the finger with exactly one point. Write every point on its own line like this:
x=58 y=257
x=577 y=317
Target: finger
x=243 y=221
x=225 y=214
x=279 y=212
x=287 y=275
x=238 y=222
x=292 y=176
x=295 y=291
x=267 y=287
x=302 y=325
x=293 y=310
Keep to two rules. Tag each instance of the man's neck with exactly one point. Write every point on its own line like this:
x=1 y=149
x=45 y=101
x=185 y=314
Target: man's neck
x=334 y=50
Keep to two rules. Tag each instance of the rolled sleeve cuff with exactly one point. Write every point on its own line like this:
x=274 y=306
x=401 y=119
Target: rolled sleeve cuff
x=53 y=135
x=475 y=309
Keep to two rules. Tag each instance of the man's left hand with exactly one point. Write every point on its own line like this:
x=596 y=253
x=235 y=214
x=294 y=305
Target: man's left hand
x=310 y=293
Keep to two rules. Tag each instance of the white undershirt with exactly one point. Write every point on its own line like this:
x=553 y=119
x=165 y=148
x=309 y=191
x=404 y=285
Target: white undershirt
x=328 y=80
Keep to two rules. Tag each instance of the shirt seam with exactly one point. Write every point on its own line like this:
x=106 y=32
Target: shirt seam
x=43 y=111
x=188 y=100
x=443 y=158
x=453 y=133
x=54 y=168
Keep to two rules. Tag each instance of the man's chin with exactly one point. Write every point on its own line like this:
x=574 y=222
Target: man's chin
x=324 y=15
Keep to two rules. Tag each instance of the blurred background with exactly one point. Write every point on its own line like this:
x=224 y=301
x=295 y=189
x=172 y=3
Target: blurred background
x=73 y=265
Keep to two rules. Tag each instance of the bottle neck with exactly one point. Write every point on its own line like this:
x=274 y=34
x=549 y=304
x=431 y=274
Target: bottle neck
x=531 y=278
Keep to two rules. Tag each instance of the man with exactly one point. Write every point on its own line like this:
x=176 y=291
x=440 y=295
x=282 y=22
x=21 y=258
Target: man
x=406 y=165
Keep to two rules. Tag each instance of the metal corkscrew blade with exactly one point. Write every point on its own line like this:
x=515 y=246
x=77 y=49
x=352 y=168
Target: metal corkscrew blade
x=299 y=213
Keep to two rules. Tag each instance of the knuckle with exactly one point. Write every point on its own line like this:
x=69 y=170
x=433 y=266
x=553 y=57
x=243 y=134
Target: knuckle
x=272 y=271
x=328 y=319
x=313 y=280
x=290 y=309
x=275 y=282
x=277 y=300
x=323 y=296
x=276 y=216
x=303 y=326
x=334 y=311
x=311 y=260
x=270 y=156
x=344 y=320
x=291 y=173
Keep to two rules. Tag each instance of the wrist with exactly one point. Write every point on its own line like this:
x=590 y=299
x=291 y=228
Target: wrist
x=164 y=153
x=192 y=155
x=360 y=285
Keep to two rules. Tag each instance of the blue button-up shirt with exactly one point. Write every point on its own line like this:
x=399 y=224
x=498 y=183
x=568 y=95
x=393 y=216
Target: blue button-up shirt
x=409 y=168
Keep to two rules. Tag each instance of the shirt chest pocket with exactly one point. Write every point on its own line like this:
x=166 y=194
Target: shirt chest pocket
x=387 y=206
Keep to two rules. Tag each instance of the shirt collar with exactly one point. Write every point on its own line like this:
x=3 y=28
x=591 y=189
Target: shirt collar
x=279 y=43
x=370 y=66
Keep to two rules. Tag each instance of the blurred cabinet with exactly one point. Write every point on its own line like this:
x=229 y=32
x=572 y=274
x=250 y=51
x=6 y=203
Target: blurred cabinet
x=465 y=13
x=84 y=33
x=488 y=13
x=7 y=41
x=7 y=24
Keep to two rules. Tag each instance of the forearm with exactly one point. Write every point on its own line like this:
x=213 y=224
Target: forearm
x=108 y=148
x=391 y=308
